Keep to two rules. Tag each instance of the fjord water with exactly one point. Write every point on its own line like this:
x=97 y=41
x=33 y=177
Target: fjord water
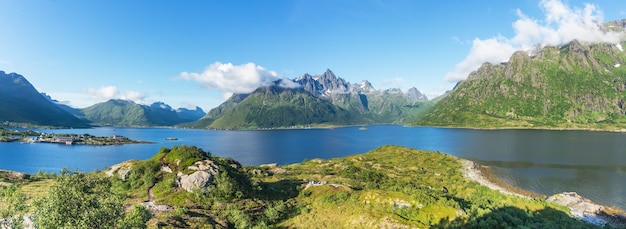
x=547 y=162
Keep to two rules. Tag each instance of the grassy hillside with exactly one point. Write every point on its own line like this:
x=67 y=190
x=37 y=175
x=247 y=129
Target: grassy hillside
x=389 y=187
x=117 y=113
x=275 y=107
x=573 y=86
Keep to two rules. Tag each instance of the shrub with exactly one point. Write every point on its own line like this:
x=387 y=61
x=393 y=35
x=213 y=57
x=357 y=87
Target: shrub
x=136 y=218
x=79 y=200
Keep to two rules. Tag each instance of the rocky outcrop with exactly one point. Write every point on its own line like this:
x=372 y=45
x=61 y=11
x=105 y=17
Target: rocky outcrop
x=586 y=210
x=580 y=206
x=415 y=95
x=205 y=172
x=11 y=175
x=122 y=170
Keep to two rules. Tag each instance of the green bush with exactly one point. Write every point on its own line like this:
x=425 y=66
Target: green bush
x=185 y=156
x=12 y=206
x=136 y=218
x=79 y=200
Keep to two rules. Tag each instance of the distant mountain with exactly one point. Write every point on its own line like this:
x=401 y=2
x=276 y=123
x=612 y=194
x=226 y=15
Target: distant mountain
x=576 y=85
x=117 y=112
x=20 y=102
x=321 y=99
x=74 y=111
x=187 y=115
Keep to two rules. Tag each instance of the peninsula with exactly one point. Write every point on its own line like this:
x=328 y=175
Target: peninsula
x=29 y=136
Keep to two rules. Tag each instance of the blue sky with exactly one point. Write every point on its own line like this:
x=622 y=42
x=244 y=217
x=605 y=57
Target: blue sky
x=188 y=53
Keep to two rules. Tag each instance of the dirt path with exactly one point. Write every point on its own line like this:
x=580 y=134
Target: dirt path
x=151 y=197
x=150 y=203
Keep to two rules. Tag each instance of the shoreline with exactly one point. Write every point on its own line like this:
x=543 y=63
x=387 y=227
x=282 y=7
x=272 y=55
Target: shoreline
x=481 y=174
x=620 y=130
x=580 y=207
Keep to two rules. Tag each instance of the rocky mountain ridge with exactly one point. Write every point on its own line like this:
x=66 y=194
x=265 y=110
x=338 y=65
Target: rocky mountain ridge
x=321 y=99
x=576 y=85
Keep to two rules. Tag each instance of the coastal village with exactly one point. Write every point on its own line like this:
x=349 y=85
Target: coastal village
x=29 y=136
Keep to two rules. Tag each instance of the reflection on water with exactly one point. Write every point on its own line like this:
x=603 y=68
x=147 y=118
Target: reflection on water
x=547 y=162
x=619 y=169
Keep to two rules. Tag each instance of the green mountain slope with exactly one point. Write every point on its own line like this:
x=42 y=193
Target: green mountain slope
x=270 y=107
x=117 y=112
x=572 y=86
x=20 y=102
x=321 y=100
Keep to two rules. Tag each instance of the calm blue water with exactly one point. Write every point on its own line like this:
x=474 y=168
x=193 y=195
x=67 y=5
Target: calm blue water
x=590 y=163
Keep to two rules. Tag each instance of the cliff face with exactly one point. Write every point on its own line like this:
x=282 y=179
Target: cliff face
x=575 y=85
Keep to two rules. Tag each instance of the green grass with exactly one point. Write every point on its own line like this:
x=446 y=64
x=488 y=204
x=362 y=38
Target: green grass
x=409 y=193
x=390 y=187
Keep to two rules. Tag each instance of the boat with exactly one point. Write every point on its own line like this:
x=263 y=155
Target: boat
x=171 y=139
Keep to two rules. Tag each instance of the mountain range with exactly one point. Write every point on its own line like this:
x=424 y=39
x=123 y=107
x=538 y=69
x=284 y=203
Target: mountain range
x=323 y=99
x=577 y=85
x=20 y=102
x=117 y=112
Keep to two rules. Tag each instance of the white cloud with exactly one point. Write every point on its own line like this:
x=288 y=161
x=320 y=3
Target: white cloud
x=287 y=83
x=103 y=93
x=494 y=50
x=230 y=78
x=561 y=25
x=135 y=97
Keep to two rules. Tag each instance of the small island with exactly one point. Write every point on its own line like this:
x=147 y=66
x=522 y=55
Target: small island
x=29 y=136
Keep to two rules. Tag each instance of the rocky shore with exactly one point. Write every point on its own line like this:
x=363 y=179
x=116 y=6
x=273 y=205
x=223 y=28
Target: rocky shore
x=580 y=207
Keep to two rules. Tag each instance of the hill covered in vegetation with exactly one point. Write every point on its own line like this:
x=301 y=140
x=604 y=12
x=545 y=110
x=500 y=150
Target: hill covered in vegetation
x=577 y=85
x=318 y=100
x=186 y=187
x=117 y=112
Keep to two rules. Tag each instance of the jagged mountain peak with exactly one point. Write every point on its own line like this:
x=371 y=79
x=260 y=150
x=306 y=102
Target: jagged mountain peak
x=415 y=95
x=325 y=84
x=364 y=87
x=576 y=47
x=14 y=78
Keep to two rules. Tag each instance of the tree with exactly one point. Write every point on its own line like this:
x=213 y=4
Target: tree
x=79 y=200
